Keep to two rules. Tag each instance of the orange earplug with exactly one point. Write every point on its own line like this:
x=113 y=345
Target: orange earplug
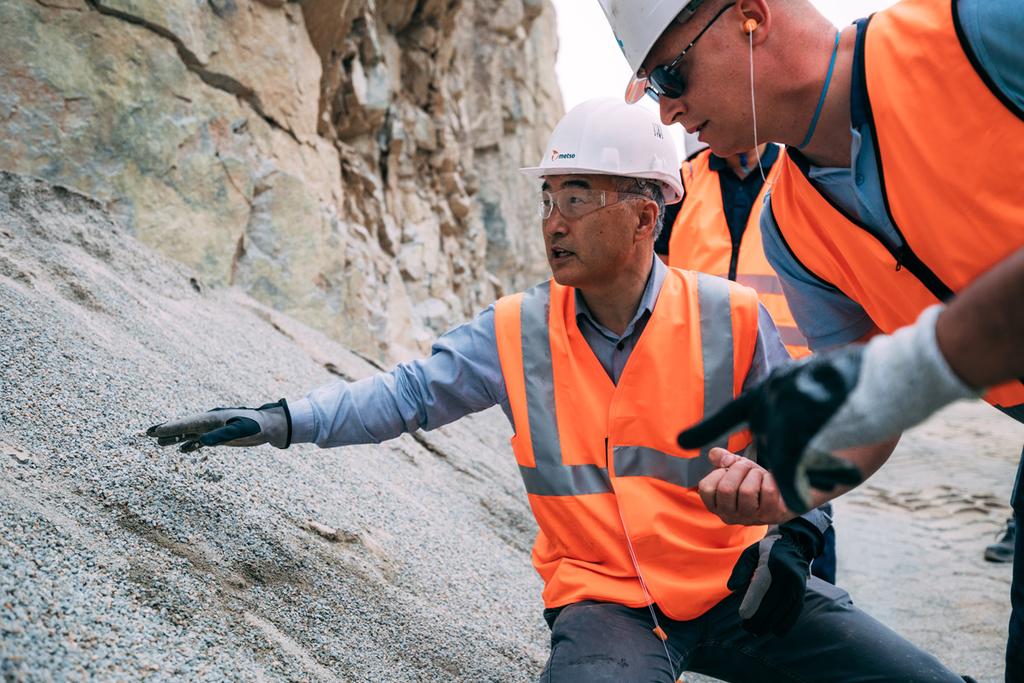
x=749 y=25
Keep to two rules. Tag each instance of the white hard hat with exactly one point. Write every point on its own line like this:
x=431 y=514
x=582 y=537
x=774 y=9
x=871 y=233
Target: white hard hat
x=606 y=136
x=637 y=24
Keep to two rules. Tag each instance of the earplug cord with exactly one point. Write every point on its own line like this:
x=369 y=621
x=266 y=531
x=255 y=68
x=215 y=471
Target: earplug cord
x=658 y=631
x=753 y=109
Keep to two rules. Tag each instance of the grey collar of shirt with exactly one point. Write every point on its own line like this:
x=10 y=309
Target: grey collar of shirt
x=646 y=307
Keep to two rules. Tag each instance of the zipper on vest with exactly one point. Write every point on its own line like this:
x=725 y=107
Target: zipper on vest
x=734 y=261
x=606 y=463
x=903 y=254
x=735 y=258
x=905 y=257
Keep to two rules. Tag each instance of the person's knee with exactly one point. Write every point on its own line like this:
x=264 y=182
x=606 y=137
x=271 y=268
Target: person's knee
x=855 y=645
x=603 y=642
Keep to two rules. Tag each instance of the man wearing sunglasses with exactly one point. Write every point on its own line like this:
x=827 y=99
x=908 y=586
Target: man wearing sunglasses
x=594 y=369
x=715 y=229
x=899 y=210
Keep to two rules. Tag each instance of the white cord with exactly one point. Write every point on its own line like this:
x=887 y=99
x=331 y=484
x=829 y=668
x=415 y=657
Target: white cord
x=647 y=596
x=753 y=108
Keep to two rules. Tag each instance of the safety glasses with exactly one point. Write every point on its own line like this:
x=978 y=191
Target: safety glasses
x=665 y=80
x=576 y=202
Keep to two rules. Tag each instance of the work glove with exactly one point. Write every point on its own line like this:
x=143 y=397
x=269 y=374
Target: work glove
x=270 y=423
x=858 y=395
x=772 y=577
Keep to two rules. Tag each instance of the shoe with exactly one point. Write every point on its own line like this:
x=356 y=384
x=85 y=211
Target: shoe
x=1003 y=550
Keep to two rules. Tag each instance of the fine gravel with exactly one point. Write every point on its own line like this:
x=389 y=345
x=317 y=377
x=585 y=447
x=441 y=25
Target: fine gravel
x=120 y=560
x=408 y=561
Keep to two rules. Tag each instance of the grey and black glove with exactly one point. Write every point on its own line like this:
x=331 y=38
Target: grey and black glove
x=806 y=411
x=785 y=412
x=270 y=423
x=772 y=576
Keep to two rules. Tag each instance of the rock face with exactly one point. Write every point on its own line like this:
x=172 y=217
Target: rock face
x=121 y=561
x=350 y=162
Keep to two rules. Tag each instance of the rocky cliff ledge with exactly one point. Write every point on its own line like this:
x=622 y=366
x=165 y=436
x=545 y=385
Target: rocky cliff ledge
x=349 y=162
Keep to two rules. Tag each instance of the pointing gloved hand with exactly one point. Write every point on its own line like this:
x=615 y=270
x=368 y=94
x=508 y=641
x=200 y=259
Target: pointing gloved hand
x=858 y=395
x=270 y=423
x=772 y=576
x=785 y=412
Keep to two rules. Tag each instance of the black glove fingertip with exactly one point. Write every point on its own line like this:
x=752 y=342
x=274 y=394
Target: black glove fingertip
x=152 y=430
x=737 y=581
x=190 y=446
x=743 y=571
x=727 y=418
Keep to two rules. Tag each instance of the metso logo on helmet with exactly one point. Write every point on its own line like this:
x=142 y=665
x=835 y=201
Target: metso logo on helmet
x=638 y=25
x=610 y=137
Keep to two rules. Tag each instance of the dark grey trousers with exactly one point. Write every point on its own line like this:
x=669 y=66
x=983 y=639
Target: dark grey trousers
x=832 y=642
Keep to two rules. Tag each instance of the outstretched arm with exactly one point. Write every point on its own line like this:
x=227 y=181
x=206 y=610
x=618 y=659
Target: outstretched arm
x=461 y=376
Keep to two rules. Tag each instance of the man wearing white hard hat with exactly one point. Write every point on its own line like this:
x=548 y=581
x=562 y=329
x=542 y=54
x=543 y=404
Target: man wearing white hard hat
x=595 y=369
x=897 y=215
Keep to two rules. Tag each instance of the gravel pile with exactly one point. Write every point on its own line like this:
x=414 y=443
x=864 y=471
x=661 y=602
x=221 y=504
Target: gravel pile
x=402 y=562
x=121 y=561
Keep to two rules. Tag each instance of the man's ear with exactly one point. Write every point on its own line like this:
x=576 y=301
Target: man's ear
x=647 y=219
x=755 y=19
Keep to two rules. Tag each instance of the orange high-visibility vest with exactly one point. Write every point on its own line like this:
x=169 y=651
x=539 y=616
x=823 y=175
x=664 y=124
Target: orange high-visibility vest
x=949 y=151
x=701 y=241
x=600 y=460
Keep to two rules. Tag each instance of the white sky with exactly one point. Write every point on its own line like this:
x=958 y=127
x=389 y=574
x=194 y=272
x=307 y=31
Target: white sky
x=591 y=65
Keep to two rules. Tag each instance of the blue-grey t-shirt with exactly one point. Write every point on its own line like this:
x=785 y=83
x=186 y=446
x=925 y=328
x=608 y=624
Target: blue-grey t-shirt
x=827 y=317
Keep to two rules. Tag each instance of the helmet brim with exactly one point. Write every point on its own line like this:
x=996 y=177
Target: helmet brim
x=635 y=89
x=672 y=188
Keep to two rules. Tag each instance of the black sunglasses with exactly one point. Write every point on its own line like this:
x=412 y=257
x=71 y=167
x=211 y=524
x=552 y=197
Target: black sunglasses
x=665 y=80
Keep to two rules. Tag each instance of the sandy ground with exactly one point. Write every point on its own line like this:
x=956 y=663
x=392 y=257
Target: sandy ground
x=910 y=540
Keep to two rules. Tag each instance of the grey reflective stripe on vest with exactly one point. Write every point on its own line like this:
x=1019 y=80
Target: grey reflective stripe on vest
x=770 y=284
x=716 y=347
x=791 y=336
x=550 y=477
x=640 y=461
x=716 y=350
x=764 y=284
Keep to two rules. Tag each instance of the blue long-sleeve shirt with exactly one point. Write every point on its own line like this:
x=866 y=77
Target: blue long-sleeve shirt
x=462 y=375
